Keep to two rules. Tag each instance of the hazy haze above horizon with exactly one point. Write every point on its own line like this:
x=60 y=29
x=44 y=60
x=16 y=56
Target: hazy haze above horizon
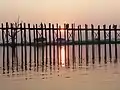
x=78 y=11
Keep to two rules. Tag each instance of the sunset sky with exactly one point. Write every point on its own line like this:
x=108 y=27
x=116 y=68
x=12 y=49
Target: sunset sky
x=78 y=11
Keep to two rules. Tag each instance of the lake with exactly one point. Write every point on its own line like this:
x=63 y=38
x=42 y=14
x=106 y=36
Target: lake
x=59 y=68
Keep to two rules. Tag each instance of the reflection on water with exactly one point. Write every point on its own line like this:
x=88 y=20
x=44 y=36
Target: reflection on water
x=50 y=58
x=63 y=56
x=58 y=62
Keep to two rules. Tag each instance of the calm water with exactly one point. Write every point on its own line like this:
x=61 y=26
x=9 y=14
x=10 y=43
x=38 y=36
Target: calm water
x=63 y=73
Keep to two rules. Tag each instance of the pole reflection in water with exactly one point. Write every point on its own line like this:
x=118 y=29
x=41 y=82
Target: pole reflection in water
x=63 y=60
x=14 y=59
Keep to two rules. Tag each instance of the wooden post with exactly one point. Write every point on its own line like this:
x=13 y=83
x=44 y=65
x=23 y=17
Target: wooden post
x=93 y=50
x=57 y=46
x=21 y=46
x=17 y=26
x=115 y=27
x=73 y=47
x=34 y=46
x=3 y=48
x=104 y=27
x=7 y=34
x=99 y=47
x=30 y=62
x=53 y=44
x=46 y=43
x=65 y=41
x=12 y=39
x=37 y=40
x=110 y=53
x=50 y=43
x=86 y=39
x=42 y=44
x=3 y=34
x=15 y=44
x=60 y=43
x=74 y=44
x=37 y=45
x=25 y=46
x=68 y=43
x=81 y=44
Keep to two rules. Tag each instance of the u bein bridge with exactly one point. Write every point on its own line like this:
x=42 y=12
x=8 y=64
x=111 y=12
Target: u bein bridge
x=54 y=36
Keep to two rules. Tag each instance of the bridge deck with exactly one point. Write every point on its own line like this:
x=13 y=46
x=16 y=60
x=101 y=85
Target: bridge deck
x=89 y=42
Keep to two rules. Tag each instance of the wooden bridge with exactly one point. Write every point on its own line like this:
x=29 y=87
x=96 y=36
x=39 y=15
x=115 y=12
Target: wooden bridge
x=43 y=35
x=13 y=34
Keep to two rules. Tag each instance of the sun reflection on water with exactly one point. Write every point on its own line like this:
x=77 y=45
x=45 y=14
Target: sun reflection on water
x=63 y=56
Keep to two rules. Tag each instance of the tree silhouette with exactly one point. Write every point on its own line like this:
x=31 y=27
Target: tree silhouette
x=14 y=30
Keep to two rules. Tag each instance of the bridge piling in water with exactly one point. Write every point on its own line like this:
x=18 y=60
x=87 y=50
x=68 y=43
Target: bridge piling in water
x=3 y=41
x=79 y=44
x=37 y=40
x=7 y=40
x=86 y=38
x=21 y=46
x=65 y=43
x=42 y=32
x=46 y=43
x=16 y=37
x=110 y=53
x=34 y=46
x=11 y=25
x=57 y=45
x=30 y=55
x=73 y=47
x=93 y=50
x=105 y=51
x=53 y=32
x=56 y=38
x=67 y=28
x=115 y=32
x=25 y=46
x=50 y=43
x=60 y=43
x=99 y=46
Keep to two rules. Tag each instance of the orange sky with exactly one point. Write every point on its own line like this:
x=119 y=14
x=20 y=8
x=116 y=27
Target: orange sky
x=79 y=11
